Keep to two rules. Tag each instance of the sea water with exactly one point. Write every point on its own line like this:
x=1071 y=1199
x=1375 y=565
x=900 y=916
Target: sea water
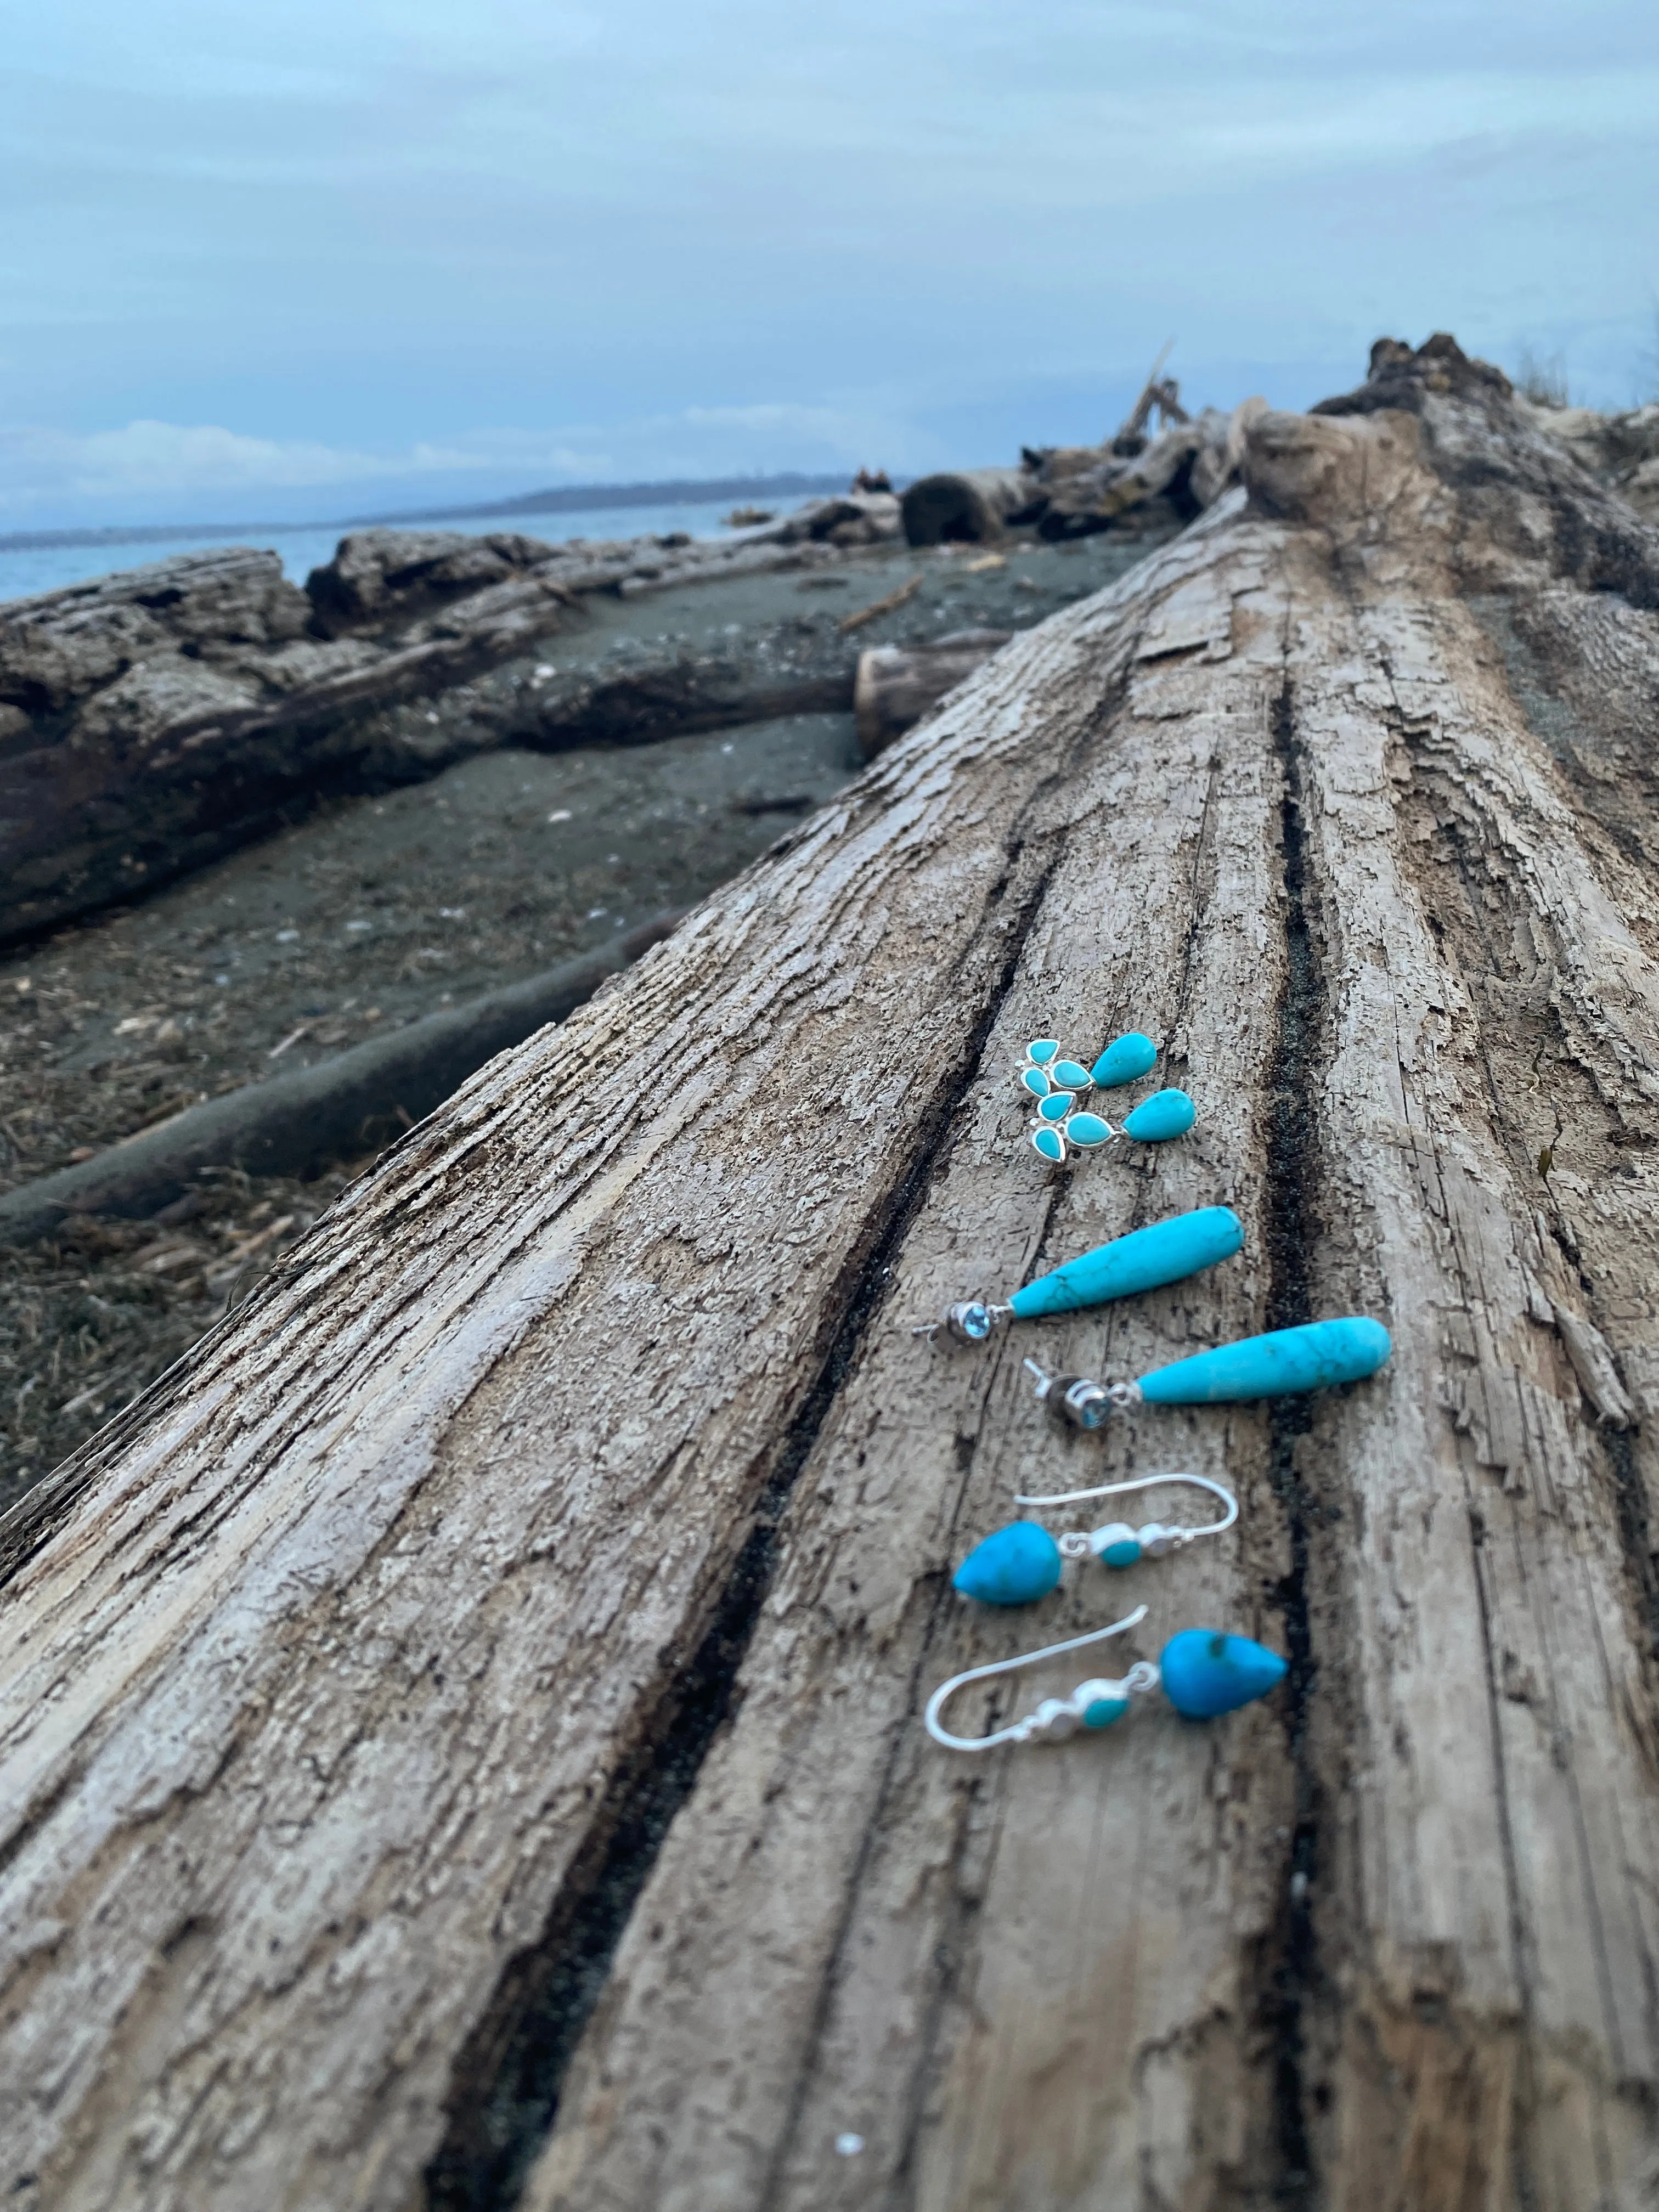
x=25 y=570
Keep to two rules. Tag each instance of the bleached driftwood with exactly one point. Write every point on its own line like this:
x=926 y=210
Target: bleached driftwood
x=896 y=684
x=486 y=1673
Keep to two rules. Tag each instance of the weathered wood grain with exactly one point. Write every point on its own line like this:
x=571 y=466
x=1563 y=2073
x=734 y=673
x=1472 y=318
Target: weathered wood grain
x=529 y=1598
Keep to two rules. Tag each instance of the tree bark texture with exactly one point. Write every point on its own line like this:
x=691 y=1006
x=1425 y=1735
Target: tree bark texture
x=485 y=1675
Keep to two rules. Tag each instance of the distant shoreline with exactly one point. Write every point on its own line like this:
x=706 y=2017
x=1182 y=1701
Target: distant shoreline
x=560 y=498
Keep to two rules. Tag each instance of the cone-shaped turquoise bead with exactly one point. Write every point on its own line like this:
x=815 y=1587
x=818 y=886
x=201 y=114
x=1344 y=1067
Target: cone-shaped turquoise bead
x=1125 y=1061
x=1017 y=1564
x=1285 y=1361
x=1050 y=1143
x=1206 y=1673
x=1166 y=1114
x=1164 y=1252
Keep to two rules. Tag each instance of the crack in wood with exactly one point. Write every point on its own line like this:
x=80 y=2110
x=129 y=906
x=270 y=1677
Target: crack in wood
x=506 y=2084
x=1291 y=1226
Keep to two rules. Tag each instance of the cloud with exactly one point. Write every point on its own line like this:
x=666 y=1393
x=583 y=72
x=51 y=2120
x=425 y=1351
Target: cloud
x=172 y=459
x=173 y=463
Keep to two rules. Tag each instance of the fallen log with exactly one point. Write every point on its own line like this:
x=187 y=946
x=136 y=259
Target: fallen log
x=463 y=1723
x=896 y=684
x=153 y=720
x=964 y=507
x=343 y=1107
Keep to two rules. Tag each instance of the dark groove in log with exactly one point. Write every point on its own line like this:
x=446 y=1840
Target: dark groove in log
x=505 y=2089
x=1290 y=1225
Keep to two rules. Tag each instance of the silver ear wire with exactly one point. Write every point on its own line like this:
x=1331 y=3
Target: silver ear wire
x=1118 y=1545
x=1052 y=1717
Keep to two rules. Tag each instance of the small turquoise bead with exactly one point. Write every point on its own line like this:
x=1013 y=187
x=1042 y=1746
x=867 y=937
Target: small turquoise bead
x=1050 y=1143
x=1206 y=1673
x=1166 y=1114
x=1036 y=1082
x=1042 y=1050
x=1166 y=1252
x=1123 y=1554
x=1070 y=1076
x=1017 y=1564
x=1056 y=1106
x=1086 y=1129
x=1281 y=1364
x=1125 y=1061
x=1101 y=1712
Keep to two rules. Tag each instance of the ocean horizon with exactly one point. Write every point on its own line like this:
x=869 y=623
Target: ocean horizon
x=30 y=564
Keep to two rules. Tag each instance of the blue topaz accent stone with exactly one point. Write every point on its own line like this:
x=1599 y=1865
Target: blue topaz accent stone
x=1056 y=1106
x=1125 y=1061
x=1087 y=1129
x=1017 y=1564
x=1036 y=1082
x=1050 y=1143
x=1206 y=1673
x=1166 y=1114
x=1069 y=1075
x=1164 y=1252
x=1042 y=1050
x=1281 y=1364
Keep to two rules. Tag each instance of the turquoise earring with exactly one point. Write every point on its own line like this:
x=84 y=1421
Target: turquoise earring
x=1022 y=1562
x=1203 y=1673
x=1047 y=1069
x=1166 y=1252
x=1060 y=1124
x=1285 y=1363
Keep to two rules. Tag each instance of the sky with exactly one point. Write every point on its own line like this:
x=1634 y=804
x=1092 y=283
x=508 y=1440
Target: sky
x=335 y=256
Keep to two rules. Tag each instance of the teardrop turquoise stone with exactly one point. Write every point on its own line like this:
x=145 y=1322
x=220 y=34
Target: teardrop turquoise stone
x=1042 y=1050
x=1164 y=1253
x=1017 y=1564
x=1206 y=1673
x=1166 y=1114
x=1056 y=1106
x=1067 y=1073
x=1125 y=1061
x=1050 y=1143
x=1124 y=1553
x=1036 y=1082
x=1087 y=1129
x=1283 y=1362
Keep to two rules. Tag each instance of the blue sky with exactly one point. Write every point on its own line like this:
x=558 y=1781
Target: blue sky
x=309 y=259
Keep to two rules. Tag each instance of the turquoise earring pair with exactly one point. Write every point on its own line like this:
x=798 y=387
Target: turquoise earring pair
x=1057 y=1082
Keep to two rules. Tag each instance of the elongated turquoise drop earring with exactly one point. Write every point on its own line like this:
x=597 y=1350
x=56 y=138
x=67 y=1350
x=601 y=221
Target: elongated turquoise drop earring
x=1047 y=1069
x=1059 y=1126
x=1204 y=1673
x=1166 y=1252
x=1022 y=1562
x=1285 y=1363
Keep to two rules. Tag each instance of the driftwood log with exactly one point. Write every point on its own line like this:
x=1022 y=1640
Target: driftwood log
x=896 y=684
x=153 y=720
x=964 y=507
x=460 y=1730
